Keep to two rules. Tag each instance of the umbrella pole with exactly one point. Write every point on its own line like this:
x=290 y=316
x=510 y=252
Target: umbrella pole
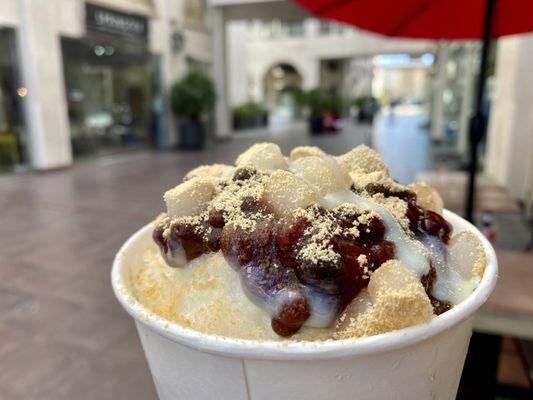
x=477 y=122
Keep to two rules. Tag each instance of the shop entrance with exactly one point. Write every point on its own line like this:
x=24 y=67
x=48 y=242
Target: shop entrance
x=112 y=91
x=12 y=133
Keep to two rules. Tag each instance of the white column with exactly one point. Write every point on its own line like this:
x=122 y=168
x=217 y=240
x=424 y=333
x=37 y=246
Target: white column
x=510 y=135
x=437 y=106
x=311 y=27
x=172 y=65
x=310 y=73
x=345 y=81
x=220 y=74
x=45 y=105
x=259 y=86
x=237 y=62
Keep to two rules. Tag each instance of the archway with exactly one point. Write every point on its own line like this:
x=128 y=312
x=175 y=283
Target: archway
x=280 y=83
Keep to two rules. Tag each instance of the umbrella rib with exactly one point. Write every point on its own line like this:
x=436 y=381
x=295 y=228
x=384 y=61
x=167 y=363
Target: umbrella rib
x=331 y=6
x=406 y=21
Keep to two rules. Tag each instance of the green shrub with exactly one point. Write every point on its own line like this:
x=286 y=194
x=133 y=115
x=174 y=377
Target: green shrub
x=361 y=101
x=319 y=101
x=333 y=103
x=193 y=95
x=250 y=109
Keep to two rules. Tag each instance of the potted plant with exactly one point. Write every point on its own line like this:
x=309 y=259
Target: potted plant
x=192 y=97
x=313 y=100
x=324 y=109
x=367 y=106
x=249 y=115
x=332 y=108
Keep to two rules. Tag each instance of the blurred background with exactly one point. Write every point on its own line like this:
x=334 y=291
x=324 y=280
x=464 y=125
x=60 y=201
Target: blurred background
x=105 y=104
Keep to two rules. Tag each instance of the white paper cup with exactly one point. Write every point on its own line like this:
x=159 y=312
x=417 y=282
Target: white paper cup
x=421 y=362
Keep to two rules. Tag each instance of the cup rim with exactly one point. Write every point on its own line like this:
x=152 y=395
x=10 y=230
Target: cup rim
x=309 y=350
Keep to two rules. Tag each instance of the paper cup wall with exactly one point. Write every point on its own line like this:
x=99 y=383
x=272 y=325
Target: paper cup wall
x=422 y=362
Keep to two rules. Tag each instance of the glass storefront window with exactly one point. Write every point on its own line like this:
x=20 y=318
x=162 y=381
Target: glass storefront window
x=112 y=89
x=12 y=133
x=277 y=29
x=330 y=28
x=293 y=28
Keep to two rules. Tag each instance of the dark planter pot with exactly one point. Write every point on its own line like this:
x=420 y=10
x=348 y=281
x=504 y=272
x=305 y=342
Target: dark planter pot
x=365 y=116
x=316 y=125
x=191 y=135
x=236 y=123
x=250 y=122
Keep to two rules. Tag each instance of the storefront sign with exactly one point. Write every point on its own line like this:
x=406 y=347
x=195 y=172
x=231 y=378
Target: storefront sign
x=114 y=23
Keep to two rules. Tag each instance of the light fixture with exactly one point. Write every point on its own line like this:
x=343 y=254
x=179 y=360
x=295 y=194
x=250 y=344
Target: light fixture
x=99 y=50
x=22 y=91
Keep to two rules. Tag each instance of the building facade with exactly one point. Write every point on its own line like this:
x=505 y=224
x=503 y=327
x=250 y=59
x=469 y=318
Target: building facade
x=319 y=53
x=86 y=77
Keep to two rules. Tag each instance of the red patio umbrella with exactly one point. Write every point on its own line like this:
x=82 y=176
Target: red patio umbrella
x=438 y=19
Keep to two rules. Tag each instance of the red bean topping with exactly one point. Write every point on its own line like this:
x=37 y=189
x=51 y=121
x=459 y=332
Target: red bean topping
x=266 y=255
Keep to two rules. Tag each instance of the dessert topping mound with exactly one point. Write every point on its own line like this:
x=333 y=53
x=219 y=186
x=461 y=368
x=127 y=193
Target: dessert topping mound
x=322 y=242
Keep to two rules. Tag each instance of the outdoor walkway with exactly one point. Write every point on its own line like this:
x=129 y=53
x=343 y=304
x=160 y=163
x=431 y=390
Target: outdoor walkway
x=403 y=143
x=63 y=335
